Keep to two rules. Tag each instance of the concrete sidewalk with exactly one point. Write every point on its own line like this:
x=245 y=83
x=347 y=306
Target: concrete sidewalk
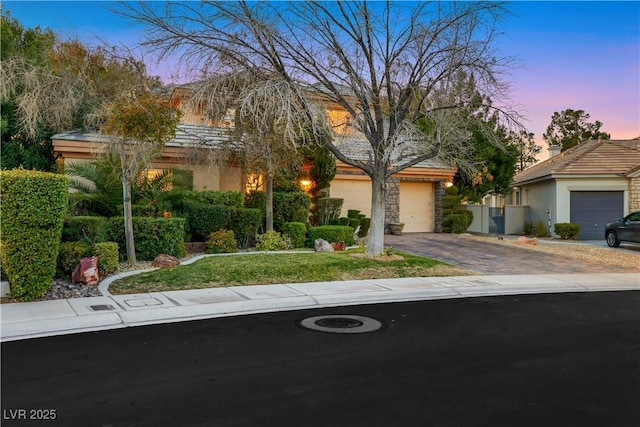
x=49 y=318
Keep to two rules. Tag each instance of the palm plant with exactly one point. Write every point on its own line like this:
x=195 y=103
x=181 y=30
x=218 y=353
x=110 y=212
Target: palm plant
x=96 y=187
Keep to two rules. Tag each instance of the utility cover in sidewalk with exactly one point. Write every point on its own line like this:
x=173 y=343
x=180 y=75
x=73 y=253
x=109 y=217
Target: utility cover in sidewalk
x=102 y=307
x=341 y=324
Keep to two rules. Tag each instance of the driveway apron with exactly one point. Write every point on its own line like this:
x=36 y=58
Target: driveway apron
x=491 y=258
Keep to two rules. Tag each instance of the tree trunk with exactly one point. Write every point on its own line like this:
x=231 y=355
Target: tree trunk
x=128 y=221
x=269 y=197
x=375 y=243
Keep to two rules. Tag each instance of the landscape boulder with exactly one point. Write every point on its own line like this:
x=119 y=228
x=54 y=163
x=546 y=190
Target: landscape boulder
x=523 y=240
x=321 y=245
x=86 y=272
x=165 y=261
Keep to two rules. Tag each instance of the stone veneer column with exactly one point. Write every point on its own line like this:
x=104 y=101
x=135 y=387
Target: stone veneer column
x=634 y=194
x=392 y=202
x=437 y=206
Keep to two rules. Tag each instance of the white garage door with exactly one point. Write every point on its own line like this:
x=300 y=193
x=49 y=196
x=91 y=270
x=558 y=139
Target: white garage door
x=356 y=195
x=416 y=206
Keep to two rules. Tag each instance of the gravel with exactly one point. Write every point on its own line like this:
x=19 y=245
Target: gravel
x=573 y=249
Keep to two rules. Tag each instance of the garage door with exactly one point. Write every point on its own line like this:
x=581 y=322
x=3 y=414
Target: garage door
x=416 y=206
x=593 y=210
x=356 y=195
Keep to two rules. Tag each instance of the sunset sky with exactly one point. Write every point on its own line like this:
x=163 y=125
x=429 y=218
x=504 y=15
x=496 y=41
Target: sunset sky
x=578 y=55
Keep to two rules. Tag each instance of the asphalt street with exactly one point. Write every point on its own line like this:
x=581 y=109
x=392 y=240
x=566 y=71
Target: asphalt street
x=541 y=360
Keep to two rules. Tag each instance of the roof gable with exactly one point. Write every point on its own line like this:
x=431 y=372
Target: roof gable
x=596 y=157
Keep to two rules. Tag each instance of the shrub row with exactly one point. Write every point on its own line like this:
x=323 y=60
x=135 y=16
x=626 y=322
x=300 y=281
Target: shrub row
x=153 y=236
x=332 y=233
x=204 y=219
x=33 y=206
x=71 y=253
x=287 y=207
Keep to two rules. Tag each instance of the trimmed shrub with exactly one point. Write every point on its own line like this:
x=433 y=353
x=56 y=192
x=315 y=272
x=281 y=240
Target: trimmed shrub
x=33 y=206
x=365 y=224
x=153 y=236
x=353 y=213
x=567 y=230
x=527 y=228
x=290 y=207
x=234 y=199
x=332 y=234
x=272 y=241
x=222 y=242
x=203 y=219
x=107 y=253
x=458 y=222
x=340 y=221
x=245 y=223
x=90 y=229
x=69 y=255
x=541 y=229
x=297 y=232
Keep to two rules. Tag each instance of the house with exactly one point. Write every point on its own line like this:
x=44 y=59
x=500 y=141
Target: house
x=413 y=195
x=591 y=184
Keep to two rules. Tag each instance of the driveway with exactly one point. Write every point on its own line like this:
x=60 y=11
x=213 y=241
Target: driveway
x=490 y=258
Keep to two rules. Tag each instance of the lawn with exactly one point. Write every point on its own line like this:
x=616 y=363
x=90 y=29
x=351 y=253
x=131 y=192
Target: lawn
x=277 y=268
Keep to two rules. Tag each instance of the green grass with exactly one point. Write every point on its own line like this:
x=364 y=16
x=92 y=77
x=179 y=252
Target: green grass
x=274 y=268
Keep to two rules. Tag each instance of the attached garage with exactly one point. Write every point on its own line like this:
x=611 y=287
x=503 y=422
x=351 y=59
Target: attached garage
x=417 y=206
x=356 y=194
x=593 y=210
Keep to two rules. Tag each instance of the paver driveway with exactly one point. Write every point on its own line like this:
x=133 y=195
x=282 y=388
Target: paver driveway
x=491 y=258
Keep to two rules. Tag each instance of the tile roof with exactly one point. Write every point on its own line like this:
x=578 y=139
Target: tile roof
x=596 y=157
x=189 y=135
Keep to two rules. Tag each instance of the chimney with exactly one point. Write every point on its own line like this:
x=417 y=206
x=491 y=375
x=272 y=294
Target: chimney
x=554 y=150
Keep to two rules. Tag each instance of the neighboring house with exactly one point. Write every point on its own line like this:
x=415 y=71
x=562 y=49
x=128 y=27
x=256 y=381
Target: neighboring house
x=413 y=195
x=591 y=184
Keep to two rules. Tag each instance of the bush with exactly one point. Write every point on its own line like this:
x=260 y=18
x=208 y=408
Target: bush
x=332 y=234
x=567 y=230
x=353 y=213
x=90 y=229
x=107 y=253
x=69 y=256
x=456 y=218
x=222 y=242
x=272 y=241
x=290 y=207
x=458 y=222
x=340 y=221
x=203 y=219
x=153 y=236
x=365 y=223
x=245 y=223
x=541 y=229
x=233 y=199
x=527 y=228
x=297 y=232
x=33 y=206
x=329 y=209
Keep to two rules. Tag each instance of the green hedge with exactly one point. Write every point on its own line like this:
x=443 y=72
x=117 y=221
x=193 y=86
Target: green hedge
x=332 y=233
x=297 y=232
x=457 y=223
x=33 y=206
x=108 y=257
x=203 y=219
x=245 y=223
x=152 y=236
x=222 y=242
x=567 y=230
x=287 y=207
x=365 y=224
x=90 y=229
x=69 y=255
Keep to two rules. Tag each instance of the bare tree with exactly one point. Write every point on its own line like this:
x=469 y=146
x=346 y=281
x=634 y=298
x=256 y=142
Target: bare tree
x=387 y=65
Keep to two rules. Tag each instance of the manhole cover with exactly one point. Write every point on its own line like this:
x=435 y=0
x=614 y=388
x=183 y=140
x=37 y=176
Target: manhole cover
x=341 y=324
